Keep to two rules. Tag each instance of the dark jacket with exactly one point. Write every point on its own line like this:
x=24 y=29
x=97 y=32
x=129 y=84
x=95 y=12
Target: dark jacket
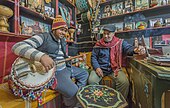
x=101 y=57
x=50 y=46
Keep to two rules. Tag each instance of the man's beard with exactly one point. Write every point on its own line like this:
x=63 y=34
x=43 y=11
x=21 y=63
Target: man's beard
x=107 y=40
x=61 y=36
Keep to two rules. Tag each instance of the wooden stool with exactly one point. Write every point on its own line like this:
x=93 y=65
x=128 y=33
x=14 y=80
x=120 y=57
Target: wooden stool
x=100 y=96
x=108 y=81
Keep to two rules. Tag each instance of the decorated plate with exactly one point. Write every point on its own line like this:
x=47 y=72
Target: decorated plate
x=141 y=25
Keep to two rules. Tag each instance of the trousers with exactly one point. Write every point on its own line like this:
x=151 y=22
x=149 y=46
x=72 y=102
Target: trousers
x=67 y=87
x=120 y=83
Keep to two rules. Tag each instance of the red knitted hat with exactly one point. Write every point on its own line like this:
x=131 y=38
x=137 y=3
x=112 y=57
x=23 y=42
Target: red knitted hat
x=59 y=22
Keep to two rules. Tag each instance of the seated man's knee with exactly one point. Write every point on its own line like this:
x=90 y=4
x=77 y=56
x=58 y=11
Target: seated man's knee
x=122 y=78
x=86 y=74
x=93 y=78
x=70 y=93
x=68 y=90
x=91 y=81
x=124 y=81
x=127 y=82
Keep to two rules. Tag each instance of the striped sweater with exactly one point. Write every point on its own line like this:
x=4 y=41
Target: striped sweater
x=36 y=46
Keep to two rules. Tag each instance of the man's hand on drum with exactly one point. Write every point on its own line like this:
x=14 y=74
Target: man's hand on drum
x=47 y=62
x=99 y=72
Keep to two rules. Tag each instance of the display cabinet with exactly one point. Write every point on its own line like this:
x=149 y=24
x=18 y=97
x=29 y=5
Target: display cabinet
x=27 y=14
x=67 y=9
x=150 y=21
x=28 y=17
x=149 y=84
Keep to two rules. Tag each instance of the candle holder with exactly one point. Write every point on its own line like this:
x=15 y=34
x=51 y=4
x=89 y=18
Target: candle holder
x=71 y=31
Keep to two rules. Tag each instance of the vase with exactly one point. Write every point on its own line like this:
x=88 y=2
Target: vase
x=5 y=14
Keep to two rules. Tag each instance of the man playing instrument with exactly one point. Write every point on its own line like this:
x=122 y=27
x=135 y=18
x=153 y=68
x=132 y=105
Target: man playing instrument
x=107 y=57
x=48 y=48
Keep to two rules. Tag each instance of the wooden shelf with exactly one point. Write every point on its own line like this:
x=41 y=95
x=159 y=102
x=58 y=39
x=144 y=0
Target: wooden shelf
x=102 y=3
x=26 y=11
x=10 y=34
x=11 y=1
x=10 y=37
x=149 y=10
x=141 y=29
x=7 y=2
x=7 y=34
x=146 y=32
x=24 y=36
x=70 y=3
x=67 y=3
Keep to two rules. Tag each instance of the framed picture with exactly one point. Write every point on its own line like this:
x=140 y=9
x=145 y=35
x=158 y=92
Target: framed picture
x=113 y=9
x=129 y=26
x=128 y=6
x=104 y=15
x=157 y=40
x=22 y=2
x=49 y=12
x=36 y=5
x=117 y=8
x=155 y=3
x=31 y=27
x=141 y=25
x=157 y=22
x=141 y=4
x=119 y=26
x=167 y=21
x=168 y=1
x=107 y=8
x=163 y=2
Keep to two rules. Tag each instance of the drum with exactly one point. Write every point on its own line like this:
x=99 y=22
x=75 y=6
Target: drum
x=29 y=84
x=83 y=5
x=100 y=96
x=84 y=17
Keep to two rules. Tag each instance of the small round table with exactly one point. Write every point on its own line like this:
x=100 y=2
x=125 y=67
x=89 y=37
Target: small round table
x=100 y=96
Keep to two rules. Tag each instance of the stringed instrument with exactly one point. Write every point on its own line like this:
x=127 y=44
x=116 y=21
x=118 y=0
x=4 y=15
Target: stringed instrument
x=28 y=79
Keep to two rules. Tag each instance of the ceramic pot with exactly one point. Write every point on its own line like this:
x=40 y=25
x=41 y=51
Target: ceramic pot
x=5 y=13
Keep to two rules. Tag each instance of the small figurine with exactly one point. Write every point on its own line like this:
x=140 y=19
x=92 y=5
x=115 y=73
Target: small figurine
x=141 y=26
x=154 y=3
x=163 y=2
x=157 y=24
x=128 y=28
x=22 y=28
x=71 y=31
x=107 y=10
x=128 y=6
